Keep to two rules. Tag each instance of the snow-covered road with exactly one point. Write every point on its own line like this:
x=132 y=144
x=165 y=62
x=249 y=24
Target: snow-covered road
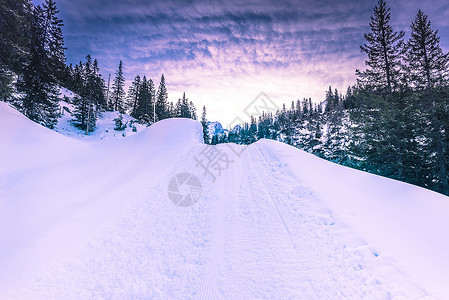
x=258 y=231
x=252 y=234
x=267 y=243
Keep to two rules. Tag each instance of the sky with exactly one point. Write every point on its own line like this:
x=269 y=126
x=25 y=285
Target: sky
x=223 y=54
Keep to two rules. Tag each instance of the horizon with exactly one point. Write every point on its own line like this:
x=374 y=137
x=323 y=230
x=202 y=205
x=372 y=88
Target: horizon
x=223 y=55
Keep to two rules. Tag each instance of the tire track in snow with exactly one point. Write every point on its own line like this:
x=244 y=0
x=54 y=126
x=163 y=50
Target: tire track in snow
x=312 y=235
x=242 y=237
x=215 y=205
x=311 y=293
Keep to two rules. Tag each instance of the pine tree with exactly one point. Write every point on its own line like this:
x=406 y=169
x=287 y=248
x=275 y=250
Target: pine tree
x=192 y=110
x=14 y=42
x=118 y=91
x=14 y=15
x=145 y=101
x=383 y=134
x=54 y=41
x=162 y=101
x=384 y=48
x=119 y=125
x=6 y=87
x=349 y=100
x=329 y=100
x=428 y=65
x=184 y=107
x=171 y=110
x=91 y=96
x=85 y=113
x=78 y=78
x=39 y=81
x=98 y=87
x=381 y=139
x=306 y=108
x=298 y=110
x=151 y=108
x=204 y=123
x=178 y=109
x=133 y=96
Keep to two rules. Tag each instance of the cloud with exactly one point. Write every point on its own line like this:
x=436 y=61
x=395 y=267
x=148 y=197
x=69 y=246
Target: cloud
x=224 y=52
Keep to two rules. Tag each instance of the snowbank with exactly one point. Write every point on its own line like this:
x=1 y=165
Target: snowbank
x=405 y=225
x=26 y=144
x=171 y=132
x=57 y=193
x=104 y=127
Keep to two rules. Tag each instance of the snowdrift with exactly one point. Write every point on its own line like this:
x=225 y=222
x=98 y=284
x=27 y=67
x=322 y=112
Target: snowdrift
x=26 y=144
x=171 y=132
x=57 y=192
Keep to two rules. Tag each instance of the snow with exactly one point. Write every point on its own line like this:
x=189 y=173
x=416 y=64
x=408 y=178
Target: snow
x=83 y=219
x=104 y=126
x=66 y=93
x=408 y=225
x=215 y=128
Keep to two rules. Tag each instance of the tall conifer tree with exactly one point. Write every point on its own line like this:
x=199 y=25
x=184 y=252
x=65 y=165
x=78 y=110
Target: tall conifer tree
x=118 y=91
x=162 y=100
x=205 y=126
x=384 y=48
x=46 y=57
x=428 y=67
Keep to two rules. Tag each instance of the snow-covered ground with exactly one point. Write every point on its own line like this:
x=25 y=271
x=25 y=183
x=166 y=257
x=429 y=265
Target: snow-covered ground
x=104 y=126
x=83 y=220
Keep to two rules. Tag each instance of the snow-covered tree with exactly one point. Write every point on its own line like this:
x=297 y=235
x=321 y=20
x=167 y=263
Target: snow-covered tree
x=85 y=113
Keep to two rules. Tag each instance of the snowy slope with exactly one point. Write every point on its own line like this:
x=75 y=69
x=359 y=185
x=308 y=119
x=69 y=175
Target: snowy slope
x=104 y=129
x=406 y=225
x=94 y=220
x=104 y=126
x=57 y=192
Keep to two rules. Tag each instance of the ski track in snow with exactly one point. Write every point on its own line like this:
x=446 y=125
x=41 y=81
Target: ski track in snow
x=255 y=233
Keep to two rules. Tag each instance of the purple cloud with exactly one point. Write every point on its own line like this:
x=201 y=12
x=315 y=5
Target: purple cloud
x=223 y=53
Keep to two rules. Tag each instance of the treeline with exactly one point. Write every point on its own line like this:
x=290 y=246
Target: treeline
x=147 y=105
x=33 y=68
x=142 y=101
x=394 y=122
x=316 y=128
